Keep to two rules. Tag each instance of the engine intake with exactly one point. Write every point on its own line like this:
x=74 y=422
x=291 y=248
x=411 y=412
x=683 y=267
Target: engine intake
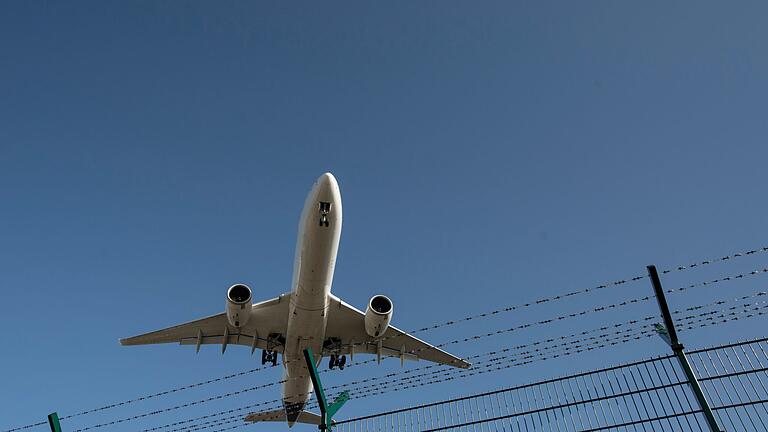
x=378 y=315
x=239 y=298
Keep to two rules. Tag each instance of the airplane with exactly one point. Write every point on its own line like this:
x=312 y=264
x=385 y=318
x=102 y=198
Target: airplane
x=308 y=316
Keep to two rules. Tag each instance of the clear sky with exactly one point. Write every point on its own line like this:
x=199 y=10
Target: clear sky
x=488 y=153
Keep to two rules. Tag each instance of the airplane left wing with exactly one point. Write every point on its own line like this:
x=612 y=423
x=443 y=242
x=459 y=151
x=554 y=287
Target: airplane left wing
x=346 y=325
x=268 y=319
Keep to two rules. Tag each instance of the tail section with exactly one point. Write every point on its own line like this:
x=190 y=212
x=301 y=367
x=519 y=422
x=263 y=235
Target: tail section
x=302 y=416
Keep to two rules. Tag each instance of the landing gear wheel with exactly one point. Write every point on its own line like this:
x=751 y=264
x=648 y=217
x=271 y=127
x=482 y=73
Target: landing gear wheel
x=342 y=362
x=269 y=357
x=332 y=362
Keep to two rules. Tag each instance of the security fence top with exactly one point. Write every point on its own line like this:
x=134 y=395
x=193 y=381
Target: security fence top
x=729 y=345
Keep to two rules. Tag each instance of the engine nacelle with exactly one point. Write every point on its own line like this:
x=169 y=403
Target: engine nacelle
x=378 y=315
x=239 y=298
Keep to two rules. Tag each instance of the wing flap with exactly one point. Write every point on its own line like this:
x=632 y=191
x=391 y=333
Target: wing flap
x=232 y=339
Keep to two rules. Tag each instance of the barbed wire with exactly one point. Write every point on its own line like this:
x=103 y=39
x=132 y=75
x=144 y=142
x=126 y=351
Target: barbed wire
x=231 y=427
x=599 y=342
x=570 y=351
x=495 y=364
x=418 y=379
x=581 y=345
x=377 y=380
x=413 y=371
x=436 y=326
x=651 y=334
x=165 y=392
x=597 y=287
x=716 y=260
x=584 y=312
x=207 y=416
x=598 y=309
x=576 y=344
x=451 y=375
x=456 y=341
x=180 y=406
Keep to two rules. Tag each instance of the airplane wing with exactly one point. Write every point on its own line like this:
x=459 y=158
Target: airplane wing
x=346 y=325
x=267 y=324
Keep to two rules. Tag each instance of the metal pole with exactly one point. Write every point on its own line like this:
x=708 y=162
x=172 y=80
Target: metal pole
x=321 y=401
x=327 y=411
x=53 y=422
x=679 y=350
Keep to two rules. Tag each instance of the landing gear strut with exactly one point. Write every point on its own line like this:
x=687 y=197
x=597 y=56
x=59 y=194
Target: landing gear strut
x=325 y=209
x=269 y=357
x=337 y=361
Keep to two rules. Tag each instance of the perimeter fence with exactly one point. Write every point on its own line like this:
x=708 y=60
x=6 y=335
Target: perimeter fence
x=648 y=395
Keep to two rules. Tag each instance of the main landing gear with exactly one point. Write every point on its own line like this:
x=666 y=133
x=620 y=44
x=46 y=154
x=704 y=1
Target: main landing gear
x=337 y=361
x=269 y=357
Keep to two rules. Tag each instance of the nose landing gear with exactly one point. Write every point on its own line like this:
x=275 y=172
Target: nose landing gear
x=325 y=209
x=339 y=361
x=269 y=357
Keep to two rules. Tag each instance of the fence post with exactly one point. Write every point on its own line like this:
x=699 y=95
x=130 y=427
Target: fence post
x=53 y=422
x=679 y=350
x=327 y=411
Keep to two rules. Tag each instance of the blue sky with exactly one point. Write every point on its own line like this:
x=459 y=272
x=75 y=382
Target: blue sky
x=152 y=154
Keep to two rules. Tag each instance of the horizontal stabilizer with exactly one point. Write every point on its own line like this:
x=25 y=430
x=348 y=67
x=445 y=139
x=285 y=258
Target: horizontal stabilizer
x=305 y=417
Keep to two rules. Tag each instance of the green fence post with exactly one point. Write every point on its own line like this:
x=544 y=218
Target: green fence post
x=53 y=421
x=669 y=334
x=326 y=411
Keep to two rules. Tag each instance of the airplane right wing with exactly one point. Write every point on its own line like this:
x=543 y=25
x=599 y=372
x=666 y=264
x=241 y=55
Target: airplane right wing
x=346 y=324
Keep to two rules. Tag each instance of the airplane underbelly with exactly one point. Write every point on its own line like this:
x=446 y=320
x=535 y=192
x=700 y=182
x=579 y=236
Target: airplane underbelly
x=306 y=329
x=314 y=265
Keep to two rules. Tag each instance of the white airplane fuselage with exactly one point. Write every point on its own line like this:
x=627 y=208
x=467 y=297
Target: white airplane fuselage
x=314 y=264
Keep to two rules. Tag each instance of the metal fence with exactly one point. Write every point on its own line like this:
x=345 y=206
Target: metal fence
x=648 y=395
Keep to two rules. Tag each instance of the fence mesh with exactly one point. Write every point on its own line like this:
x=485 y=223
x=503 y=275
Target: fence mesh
x=648 y=395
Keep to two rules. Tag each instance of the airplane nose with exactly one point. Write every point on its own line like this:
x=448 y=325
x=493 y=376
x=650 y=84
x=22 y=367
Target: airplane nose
x=326 y=180
x=327 y=188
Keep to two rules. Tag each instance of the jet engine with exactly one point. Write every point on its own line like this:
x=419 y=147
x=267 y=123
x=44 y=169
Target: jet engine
x=378 y=315
x=239 y=298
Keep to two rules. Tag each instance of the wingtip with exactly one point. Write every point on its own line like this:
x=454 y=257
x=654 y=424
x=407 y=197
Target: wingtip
x=128 y=341
x=462 y=364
